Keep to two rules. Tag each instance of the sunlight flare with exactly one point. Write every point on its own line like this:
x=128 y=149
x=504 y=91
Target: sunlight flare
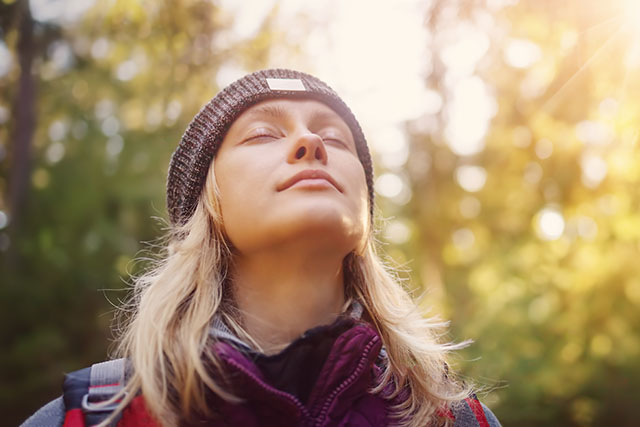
x=632 y=9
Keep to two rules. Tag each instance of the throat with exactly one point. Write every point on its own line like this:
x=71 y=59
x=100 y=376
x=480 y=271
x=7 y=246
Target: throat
x=279 y=302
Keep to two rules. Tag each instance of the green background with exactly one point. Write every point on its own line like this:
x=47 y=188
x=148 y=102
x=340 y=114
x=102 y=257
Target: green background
x=555 y=319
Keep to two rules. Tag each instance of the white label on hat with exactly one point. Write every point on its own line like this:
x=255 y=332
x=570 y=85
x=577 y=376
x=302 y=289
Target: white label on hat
x=286 y=84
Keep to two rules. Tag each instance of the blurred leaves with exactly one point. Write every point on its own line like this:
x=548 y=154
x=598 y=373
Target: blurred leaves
x=530 y=243
x=515 y=203
x=115 y=91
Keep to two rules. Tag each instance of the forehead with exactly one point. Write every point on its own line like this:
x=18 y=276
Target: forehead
x=308 y=109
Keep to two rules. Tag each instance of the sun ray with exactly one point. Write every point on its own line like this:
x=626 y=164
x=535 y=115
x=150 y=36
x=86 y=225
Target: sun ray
x=622 y=91
x=618 y=17
x=632 y=8
x=549 y=104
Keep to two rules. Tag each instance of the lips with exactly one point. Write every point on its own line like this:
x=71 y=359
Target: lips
x=309 y=174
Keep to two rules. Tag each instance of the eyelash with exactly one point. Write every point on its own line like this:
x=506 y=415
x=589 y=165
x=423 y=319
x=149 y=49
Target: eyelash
x=339 y=141
x=260 y=133
x=264 y=133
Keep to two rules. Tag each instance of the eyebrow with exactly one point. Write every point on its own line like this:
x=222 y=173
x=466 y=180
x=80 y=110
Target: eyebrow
x=324 y=116
x=275 y=111
x=270 y=110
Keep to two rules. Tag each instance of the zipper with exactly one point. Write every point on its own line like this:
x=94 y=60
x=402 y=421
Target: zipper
x=306 y=415
x=272 y=390
x=356 y=373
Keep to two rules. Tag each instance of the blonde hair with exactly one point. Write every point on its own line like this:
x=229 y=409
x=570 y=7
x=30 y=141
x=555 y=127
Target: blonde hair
x=165 y=333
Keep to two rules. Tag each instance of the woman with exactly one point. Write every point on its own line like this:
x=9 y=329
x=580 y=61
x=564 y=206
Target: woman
x=270 y=305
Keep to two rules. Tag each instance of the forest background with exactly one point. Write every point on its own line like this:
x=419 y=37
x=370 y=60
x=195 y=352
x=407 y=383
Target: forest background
x=505 y=135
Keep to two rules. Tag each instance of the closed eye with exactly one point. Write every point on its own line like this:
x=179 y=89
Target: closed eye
x=334 y=136
x=261 y=135
x=336 y=141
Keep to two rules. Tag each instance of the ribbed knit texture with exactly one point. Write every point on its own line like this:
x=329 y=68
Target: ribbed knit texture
x=191 y=160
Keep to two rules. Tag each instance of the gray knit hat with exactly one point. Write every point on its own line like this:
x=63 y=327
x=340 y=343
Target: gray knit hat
x=191 y=160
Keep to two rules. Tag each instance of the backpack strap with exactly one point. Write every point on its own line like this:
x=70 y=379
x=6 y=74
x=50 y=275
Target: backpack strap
x=84 y=390
x=478 y=411
x=470 y=412
x=74 y=388
x=106 y=380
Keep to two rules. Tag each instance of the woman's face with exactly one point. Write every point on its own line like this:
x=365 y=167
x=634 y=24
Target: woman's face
x=288 y=172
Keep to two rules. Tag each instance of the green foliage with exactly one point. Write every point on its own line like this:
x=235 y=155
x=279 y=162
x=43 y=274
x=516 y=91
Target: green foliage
x=554 y=317
x=536 y=260
x=109 y=117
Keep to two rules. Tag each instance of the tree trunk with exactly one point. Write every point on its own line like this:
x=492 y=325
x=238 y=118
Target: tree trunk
x=24 y=126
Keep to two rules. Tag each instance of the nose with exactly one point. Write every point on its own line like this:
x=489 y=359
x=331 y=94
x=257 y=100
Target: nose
x=308 y=146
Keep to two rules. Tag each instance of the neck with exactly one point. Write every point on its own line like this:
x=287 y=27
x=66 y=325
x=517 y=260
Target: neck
x=281 y=295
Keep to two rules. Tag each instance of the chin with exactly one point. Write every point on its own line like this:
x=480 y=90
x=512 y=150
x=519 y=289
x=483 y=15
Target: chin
x=330 y=227
x=322 y=215
x=328 y=221
x=325 y=226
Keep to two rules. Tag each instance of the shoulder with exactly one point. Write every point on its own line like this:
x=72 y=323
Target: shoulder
x=471 y=412
x=51 y=414
x=81 y=390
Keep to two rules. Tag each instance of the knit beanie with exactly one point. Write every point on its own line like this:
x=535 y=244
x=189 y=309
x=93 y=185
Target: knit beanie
x=191 y=161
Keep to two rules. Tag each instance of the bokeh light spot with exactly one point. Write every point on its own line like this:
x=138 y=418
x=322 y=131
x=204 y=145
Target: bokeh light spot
x=55 y=152
x=468 y=116
x=471 y=178
x=6 y=59
x=594 y=169
x=550 y=224
x=544 y=148
x=521 y=53
x=389 y=185
x=463 y=238
x=4 y=220
x=397 y=232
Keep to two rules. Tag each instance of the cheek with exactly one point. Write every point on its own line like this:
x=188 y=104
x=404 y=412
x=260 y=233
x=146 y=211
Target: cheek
x=244 y=189
x=357 y=192
x=232 y=193
x=358 y=187
x=236 y=182
x=360 y=208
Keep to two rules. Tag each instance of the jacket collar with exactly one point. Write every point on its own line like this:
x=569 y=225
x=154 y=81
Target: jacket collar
x=219 y=331
x=323 y=372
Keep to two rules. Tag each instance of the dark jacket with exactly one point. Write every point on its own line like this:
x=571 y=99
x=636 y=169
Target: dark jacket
x=323 y=378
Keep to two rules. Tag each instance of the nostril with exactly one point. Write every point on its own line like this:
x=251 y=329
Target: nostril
x=301 y=152
x=318 y=154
